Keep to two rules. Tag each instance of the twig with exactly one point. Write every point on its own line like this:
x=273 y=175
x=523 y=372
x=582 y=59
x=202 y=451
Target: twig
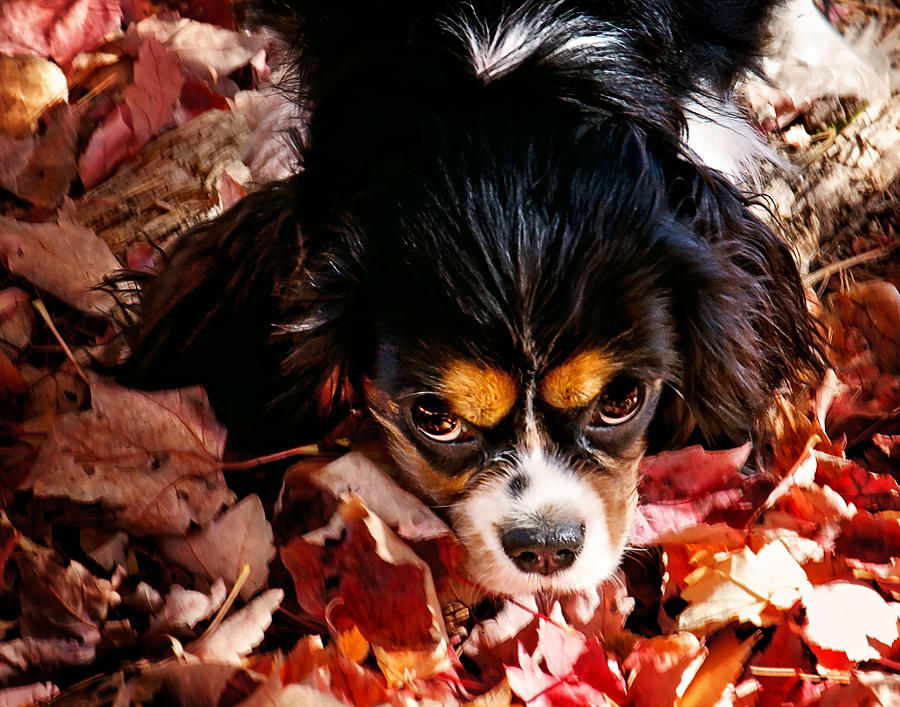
x=306 y=450
x=827 y=271
x=45 y=315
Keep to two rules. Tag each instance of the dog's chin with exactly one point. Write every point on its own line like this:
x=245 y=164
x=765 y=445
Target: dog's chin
x=479 y=517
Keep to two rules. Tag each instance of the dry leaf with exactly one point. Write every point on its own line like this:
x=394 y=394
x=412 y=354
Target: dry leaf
x=842 y=617
x=240 y=633
x=355 y=473
x=241 y=536
x=740 y=586
x=63 y=258
x=661 y=668
x=151 y=459
x=185 y=608
x=56 y=30
x=28 y=86
x=722 y=667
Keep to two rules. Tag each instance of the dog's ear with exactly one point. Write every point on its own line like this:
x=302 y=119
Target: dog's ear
x=746 y=333
x=214 y=315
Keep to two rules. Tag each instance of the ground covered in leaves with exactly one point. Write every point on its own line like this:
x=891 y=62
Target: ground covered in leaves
x=143 y=563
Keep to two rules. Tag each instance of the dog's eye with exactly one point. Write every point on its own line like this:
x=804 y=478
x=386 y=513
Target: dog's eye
x=619 y=402
x=433 y=419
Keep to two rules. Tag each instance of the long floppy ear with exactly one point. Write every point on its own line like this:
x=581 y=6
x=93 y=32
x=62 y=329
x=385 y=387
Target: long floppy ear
x=746 y=333
x=214 y=315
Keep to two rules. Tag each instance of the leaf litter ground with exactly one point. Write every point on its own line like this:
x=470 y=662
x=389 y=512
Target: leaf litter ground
x=142 y=563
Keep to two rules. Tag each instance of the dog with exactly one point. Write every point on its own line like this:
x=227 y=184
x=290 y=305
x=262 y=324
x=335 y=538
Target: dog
x=506 y=247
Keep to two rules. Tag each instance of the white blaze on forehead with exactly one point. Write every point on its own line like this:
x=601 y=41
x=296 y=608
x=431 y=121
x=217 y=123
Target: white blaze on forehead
x=553 y=492
x=496 y=51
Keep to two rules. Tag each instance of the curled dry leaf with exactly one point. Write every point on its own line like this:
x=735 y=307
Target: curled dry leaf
x=388 y=592
x=28 y=86
x=578 y=671
x=21 y=655
x=65 y=259
x=151 y=459
x=185 y=608
x=241 y=536
x=240 y=633
x=62 y=601
x=355 y=473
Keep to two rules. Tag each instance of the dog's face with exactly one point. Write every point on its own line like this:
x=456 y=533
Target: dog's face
x=536 y=468
x=521 y=346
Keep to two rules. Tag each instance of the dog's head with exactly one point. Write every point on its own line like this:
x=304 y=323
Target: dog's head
x=520 y=272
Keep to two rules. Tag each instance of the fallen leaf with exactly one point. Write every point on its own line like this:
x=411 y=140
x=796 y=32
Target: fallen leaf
x=873 y=308
x=55 y=30
x=241 y=536
x=843 y=617
x=151 y=459
x=28 y=86
x=660 y=668
x=65 y=259
x=579 y=671
x=204 y=51
x=21 y=655
x=355 y=473
x=16 y=320
x=154 y=94
x=35 y=693
x=185 y=608
x=389 y=595
x=722 y=667
x=740 y=586
x=149 y=106
x=240 y=633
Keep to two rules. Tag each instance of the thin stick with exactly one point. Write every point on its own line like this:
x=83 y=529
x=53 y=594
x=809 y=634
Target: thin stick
x=45 y=315
x=829 y=270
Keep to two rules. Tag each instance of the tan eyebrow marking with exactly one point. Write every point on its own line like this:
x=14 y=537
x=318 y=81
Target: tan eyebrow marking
x=481 y=394
x=578 y=380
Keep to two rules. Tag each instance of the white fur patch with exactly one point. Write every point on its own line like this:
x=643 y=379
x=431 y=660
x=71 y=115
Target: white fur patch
x=553 y=490
x=496 y=51
x=722 y=137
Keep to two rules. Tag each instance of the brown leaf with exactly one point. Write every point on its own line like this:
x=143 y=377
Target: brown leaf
x=63 y=258
x=16 y=320
x=38 y=692
x=62 y=601
x=356 y=473
x=28 y=86
x=22 y=654
x=240 y=633
x=242 y=535
x=40 y=167
x=151 y=459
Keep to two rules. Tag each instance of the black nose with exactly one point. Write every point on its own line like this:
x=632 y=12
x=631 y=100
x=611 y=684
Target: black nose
x=543 y=548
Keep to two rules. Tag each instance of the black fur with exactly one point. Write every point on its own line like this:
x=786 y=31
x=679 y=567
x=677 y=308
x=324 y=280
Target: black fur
x=512 y=220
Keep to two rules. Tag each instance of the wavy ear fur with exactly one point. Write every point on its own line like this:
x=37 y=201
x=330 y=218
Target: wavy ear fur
x=746 y=332
x=213 y=316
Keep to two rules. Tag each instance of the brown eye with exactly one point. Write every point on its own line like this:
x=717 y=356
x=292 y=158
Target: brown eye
x=618 y=403
x=433 y=419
